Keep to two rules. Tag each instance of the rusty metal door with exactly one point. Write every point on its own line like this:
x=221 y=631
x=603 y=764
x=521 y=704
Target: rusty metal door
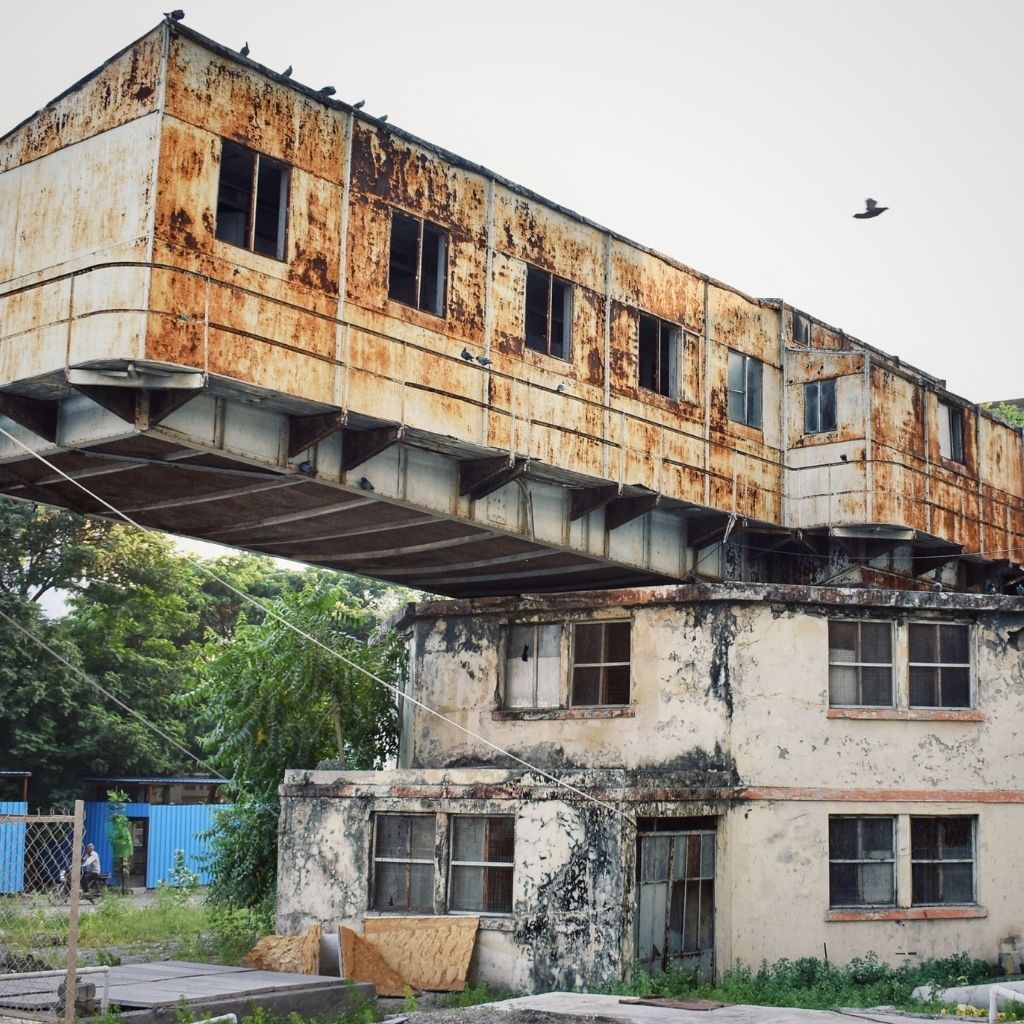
x=675 y=918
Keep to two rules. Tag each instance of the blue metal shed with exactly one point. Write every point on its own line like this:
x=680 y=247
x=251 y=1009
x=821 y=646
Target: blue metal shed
x=12 y=847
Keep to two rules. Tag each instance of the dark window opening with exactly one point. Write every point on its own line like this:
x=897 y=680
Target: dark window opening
x=252 y=201
x=942 y=860
x=658 y=356
x=481 y=863
x=801 y=329
x=548 y=313
x=819 y=406
x=601 y=663
x=940 y=665
x=745 y=378
x=862 y=862
x=951 y=432
x=418 y=263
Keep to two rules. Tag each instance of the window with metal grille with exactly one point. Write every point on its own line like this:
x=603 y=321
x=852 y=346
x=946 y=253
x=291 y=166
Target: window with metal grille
x=417 y=263
x=860 y=664
x=548 y=313
x=533 y=677
x=403 y=862
x=951 y=432
x=942 y=860
x=658 y=355
x=252 y=201
x=940 y=665
x=861 y=862
x=481 y=863
x=600 y=663
x=745 y=375
x=819 y=406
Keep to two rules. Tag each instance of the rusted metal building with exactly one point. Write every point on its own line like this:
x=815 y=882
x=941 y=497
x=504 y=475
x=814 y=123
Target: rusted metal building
x=239 y=310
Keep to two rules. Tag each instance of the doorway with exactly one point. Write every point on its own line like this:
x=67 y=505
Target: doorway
x=675 y=916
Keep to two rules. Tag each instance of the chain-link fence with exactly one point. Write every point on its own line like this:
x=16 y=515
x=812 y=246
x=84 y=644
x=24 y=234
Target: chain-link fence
x=40 y=857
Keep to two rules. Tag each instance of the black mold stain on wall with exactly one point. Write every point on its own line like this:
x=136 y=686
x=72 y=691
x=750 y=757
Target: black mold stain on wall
x=719 y=622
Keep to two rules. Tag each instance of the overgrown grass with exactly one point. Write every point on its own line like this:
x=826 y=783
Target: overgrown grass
x=810 y=983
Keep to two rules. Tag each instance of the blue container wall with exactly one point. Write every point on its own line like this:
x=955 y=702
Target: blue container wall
x=12 y=848
x=178 y=827
x=171 y=827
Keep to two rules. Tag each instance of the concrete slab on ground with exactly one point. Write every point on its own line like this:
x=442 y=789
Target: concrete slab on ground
x=621 y=1008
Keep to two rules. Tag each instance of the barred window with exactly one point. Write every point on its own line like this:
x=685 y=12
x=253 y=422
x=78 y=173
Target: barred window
x=481 y=863
x=942 y=860
x=862 y=861
x=940 y=665
x=860 y=664
x=403 y=862
x=601 y=663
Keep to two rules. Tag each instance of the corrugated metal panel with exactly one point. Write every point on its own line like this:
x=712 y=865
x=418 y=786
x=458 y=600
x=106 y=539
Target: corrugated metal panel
x=178 y=827
x=97 y=813
x=12 y=847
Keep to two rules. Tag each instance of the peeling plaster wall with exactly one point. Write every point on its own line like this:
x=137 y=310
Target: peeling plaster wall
x=571 y=880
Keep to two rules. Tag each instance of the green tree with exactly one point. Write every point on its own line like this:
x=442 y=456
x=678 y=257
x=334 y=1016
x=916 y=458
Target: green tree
x=1013 y=413
x=274 y=700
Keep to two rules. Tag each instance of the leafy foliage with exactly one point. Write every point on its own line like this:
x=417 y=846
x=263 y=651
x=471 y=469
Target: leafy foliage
x=273 y=699
x=1009 y=412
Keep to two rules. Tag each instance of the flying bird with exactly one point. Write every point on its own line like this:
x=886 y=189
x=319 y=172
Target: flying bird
x=327 y=90
x=872 y=209
x=177 y=15
x=287 y=73
x=244 y=51
x=359 y=105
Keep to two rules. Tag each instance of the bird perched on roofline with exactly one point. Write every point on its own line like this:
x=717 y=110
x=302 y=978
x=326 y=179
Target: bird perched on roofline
x=327 y=90
x=176 y=15
x=871 y=209
x=287 y=73
x=244 y=51
x=359 y=105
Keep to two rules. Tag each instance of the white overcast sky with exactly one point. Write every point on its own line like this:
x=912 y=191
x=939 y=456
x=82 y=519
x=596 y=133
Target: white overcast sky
x=738 y=136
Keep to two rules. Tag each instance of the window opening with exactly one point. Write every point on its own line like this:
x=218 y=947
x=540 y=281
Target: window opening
x=745 y=378
x=819 y=406
x=860 y=664
x=942 y=860
x=658 y=355
x=417 y=264
x=548 y=313
x=951 y=432
x=862 y=861
x=403 y=862
x=532 y=665
x=252 y=201
x=801 y=329
x=600 y=663
x=481 y=863
x=940 y=665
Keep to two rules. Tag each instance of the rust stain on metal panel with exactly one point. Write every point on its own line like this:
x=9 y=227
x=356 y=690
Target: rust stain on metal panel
x=119 y=91
x=644 y=282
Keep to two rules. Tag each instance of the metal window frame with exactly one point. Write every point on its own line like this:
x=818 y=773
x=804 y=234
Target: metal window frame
x=816 y=385
x=940 y=665
x=506 y=651
x=442 y=278
x=375 y=860
x=890 y=664
x=574 y=664
x=939 y=861
x=954 y=419
x=567 y=322
x=675 y=333
x=284 y=201
x=862 y=860
x=453 y=864
x=748 y=419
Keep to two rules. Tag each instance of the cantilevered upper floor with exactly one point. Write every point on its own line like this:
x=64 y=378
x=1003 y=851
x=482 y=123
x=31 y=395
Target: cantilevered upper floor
x=237 y=309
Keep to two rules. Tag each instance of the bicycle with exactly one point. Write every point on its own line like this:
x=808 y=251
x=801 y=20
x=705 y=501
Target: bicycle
x=91 y=889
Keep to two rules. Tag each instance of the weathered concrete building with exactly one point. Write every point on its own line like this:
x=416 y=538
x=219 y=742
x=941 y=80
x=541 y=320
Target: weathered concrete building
x=237 y=309
x=719 y=773
x=242 y=311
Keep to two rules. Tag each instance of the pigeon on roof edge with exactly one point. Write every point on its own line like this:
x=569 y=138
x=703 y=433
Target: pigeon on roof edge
x=872 y=209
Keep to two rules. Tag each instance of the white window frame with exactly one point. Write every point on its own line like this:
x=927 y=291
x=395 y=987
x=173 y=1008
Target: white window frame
x=951 y=432
x=511 y=653
x=813 y=424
